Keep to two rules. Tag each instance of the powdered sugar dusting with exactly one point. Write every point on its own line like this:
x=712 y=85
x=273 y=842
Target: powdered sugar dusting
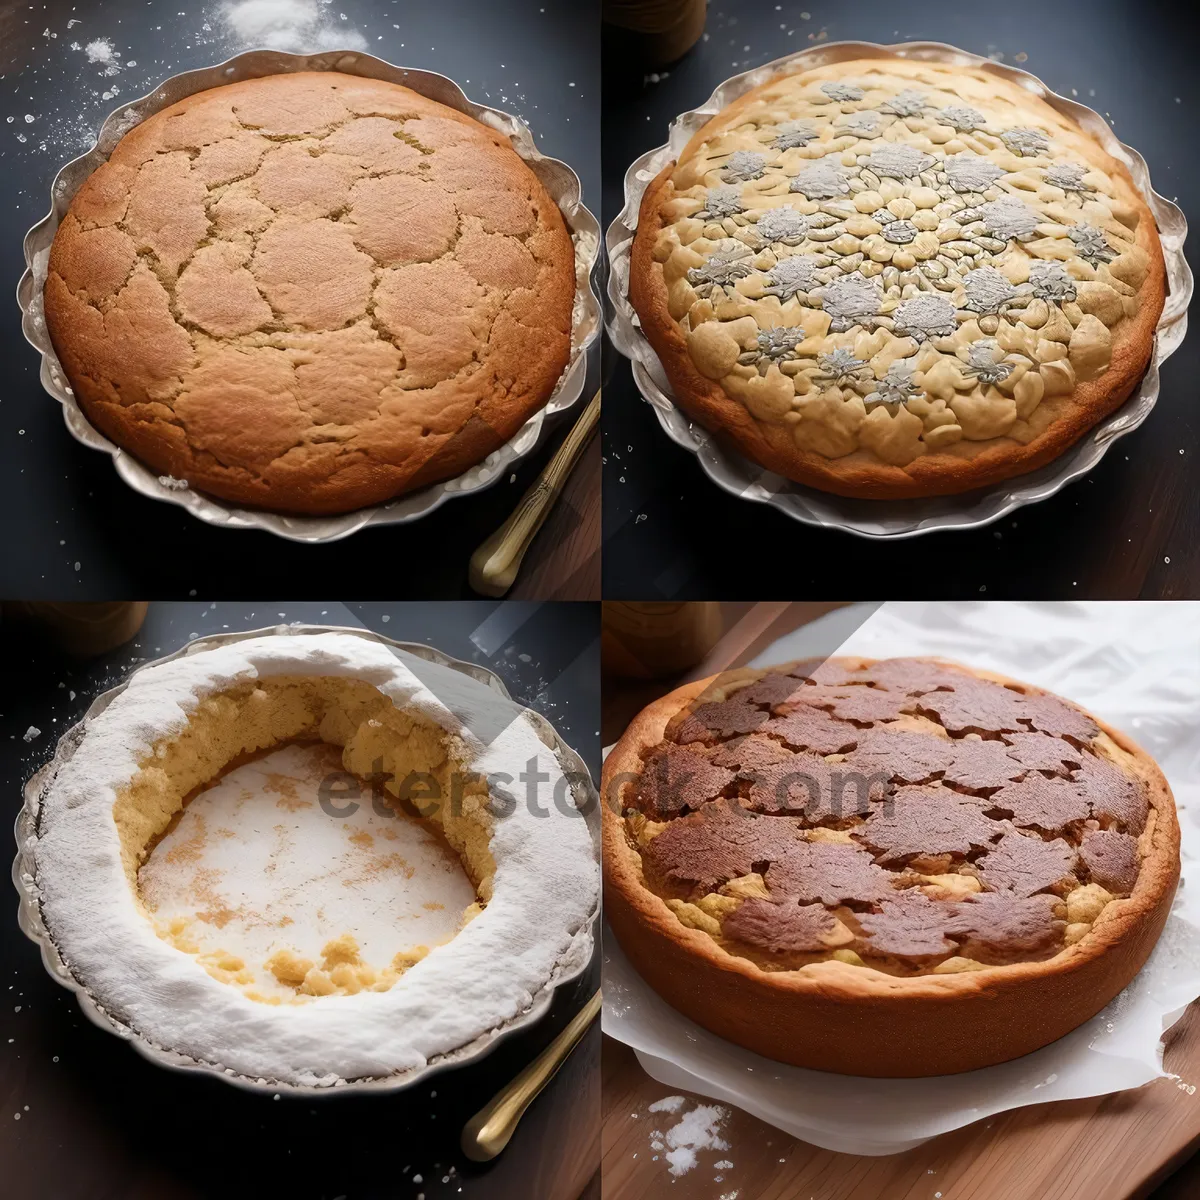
x=296 y=25
x=224 y=28
x=100 y=51
x=697 y=1131
x=546 y=882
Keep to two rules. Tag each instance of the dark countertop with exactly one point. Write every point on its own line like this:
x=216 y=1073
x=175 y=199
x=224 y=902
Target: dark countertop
x=71 y=528
x=81 y=1114
x=1128 y=529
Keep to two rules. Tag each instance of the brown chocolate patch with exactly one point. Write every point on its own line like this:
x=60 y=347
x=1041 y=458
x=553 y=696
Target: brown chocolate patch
x=807 y=785
x=720 y=842
x=1022 y=864
x=1111 y=859
x=799 y=784
x=807 y=728
x=822 y=670
x=910 y=927
x=976 y=705
x=904 y=757
x=915 y=676
x=980 y=765
x=675 y=778
x=1113 y=795
x=1041 y=752
x=927 y=821
x=998 y=927
x=710 y=722
x=751 y=754
x=860 y=703
x=773 y=689
x=1036 y=802
x=830 y=872
x=780 y=928
x=1007 y=789
x=1054 y=716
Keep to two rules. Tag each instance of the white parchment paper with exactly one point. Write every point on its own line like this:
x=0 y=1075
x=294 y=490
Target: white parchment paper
x=1135 y=665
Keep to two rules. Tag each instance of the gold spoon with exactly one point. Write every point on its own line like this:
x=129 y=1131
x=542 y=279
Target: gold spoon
x=488 y=1131
x=495 y=564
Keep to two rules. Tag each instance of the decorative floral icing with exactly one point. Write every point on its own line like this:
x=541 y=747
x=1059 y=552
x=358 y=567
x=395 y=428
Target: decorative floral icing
x=794 y=133
x=743 y=164
x=950 y=256
x=988 y=290
x=963 y=118
x=842 y=91
x=821 y=181
x=926 y=316
x=723 y=201
x=774 y=346
x=783 y=225
x=908 y=103
x=1068 y=176
x=791 y=276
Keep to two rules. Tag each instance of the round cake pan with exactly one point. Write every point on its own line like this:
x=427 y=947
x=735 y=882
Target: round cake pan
x=893 y=518
x=29 y=912
x=557 y=177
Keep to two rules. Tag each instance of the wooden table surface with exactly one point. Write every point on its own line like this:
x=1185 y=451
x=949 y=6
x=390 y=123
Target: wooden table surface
x=563 y=563
x=1107 y=1148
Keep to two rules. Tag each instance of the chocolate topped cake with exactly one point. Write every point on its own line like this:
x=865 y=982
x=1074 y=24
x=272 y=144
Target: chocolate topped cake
x=791 y=851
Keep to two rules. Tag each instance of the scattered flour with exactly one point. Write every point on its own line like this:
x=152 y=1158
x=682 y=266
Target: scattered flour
x=296 y=25
x=100 y=51
x=696 y=1130
x=103 y=54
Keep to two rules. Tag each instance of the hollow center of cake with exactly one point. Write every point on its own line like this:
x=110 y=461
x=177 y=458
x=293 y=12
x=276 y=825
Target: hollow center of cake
x=290 y=879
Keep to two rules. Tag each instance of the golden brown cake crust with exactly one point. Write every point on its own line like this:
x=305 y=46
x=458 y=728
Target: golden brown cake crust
x=854 y=1019
x=960 y=433
x=311 y=292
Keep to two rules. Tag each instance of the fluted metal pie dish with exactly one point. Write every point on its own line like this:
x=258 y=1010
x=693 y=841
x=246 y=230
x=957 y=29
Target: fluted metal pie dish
x=560 y=182
x=567 y=969
x=898 y=517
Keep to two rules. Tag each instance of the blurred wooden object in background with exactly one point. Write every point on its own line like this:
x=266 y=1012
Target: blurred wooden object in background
x=651 y=639
x=82 y=629
x=656 y=32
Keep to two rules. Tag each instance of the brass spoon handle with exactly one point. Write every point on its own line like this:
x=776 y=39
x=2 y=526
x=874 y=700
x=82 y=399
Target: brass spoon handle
x=495 y=564
x=488 y=1131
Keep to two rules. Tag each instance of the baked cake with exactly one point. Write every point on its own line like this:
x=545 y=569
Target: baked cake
x=441 y=743
x=900 y=867
x=311 y=292
x=887 y=278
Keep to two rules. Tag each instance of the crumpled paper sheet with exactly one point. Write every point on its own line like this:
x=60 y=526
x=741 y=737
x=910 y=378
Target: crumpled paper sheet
x=1135 y=665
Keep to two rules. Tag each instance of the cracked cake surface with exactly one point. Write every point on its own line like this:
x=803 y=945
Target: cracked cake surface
x=909 y=830
x=334 y=992
x=311 y=292
x=888 y=278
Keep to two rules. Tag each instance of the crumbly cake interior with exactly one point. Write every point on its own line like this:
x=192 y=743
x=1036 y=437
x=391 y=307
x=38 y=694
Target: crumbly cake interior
x=373 y=737
x=901 y=259
x=906 y=816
